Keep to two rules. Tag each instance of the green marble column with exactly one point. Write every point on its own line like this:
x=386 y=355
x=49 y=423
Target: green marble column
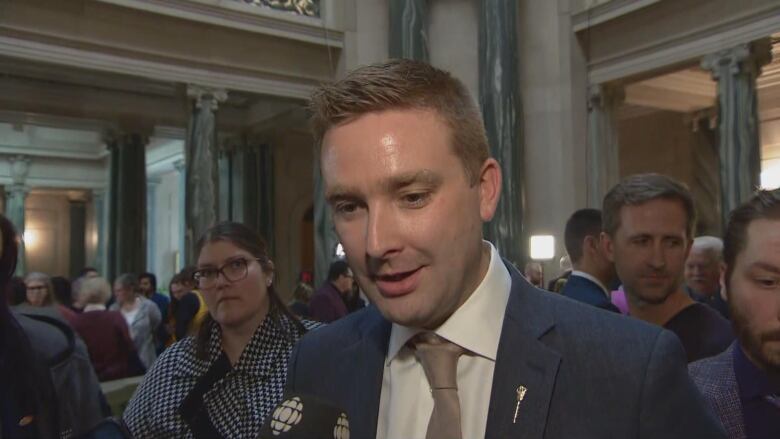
x=78 y=235
x=602 y=154
x=201 y=158
x=499 y=98
x=127 y=205
x=181 y=171
x=15 y=196
x=151 y=230
x=408 y=35
x=739 y=148
x=324 y=232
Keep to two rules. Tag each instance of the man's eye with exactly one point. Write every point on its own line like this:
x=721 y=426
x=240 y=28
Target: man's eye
x=238 y=263
x=767 y=282
x=345 y=208
x=416 y=199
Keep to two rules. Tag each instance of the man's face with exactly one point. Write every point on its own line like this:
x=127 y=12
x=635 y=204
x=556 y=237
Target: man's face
x=534 y=274
x=37 y=291
x=407 y=216
x=754 y=295
x=649 y=249
x=146 y=286
x=177 y=290
x=702 y=271
x=344 y=282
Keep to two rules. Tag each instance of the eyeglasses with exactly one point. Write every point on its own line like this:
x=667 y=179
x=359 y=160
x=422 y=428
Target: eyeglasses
x=40 y=288
x=233 y=271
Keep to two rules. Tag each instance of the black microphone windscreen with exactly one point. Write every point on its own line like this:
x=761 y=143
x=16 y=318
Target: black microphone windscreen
x=306 y=417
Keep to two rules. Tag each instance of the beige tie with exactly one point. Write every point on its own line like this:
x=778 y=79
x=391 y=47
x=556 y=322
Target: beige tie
x=439 y=359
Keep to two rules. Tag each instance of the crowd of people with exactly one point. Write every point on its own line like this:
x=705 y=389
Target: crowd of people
x=655 y=332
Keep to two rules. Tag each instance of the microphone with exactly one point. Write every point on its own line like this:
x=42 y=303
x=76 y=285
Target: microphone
x=306 y=417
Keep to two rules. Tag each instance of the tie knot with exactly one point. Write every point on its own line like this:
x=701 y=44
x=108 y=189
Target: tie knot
x=439 y=359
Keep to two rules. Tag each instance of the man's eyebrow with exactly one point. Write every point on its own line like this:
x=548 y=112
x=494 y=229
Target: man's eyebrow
x=765 y=266
x=390 y=184
x=425 y=177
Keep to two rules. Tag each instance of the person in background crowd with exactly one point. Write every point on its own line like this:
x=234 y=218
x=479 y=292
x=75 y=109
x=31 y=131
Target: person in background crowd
x=648 y=227
x=225 y=381
x=327 y=303
x=187 y=309
x=84 y=274
x=300 y=303
x=742 y=384
x=111 y=349
x=534 y=274
x=141 y=315
x=63 y=291
x=703 y=272
x=353 y=300
x=28 y=406
x=593 y=272
x=147 y=282
x=40 y=293
x=556 y=284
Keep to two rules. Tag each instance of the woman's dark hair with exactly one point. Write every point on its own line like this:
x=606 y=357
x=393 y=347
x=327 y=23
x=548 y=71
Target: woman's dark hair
x=13 y=341
x=63 y=291
x=248 y=240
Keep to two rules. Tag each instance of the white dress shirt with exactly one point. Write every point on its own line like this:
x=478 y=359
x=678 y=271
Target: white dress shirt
x=406 y=403
x=594 y=280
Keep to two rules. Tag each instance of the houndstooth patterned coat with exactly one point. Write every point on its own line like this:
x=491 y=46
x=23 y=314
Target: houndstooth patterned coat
x=237 y=404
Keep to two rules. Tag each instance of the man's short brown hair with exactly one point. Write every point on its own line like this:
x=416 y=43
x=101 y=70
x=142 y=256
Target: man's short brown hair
x=401 y=84
x=641 y=188
x=765 y=204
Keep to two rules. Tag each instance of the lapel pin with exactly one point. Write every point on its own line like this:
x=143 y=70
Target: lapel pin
x=521 y=391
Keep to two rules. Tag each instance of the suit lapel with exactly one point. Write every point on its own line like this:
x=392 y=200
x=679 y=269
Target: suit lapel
x=363 y=364
x=523 y=360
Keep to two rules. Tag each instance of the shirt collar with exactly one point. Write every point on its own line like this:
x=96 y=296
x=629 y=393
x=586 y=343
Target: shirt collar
x=94 y=307
x=592 y=279
x=486 y=303
x=751 y=380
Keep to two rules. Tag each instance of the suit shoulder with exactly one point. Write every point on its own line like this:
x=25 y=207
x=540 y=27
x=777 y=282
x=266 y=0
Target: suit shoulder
x=346 y=330
x=709 y=371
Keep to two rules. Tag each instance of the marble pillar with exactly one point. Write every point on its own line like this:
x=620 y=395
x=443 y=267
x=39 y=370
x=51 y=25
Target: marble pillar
x=602 y=153
x=325 y=239
x=499 y=98
x=739 y=148
x=15 y=196
x=201 y=158
x=181 y=171
x=151 y=229
x=78 y=235
x=127 y=205
x=408 y=35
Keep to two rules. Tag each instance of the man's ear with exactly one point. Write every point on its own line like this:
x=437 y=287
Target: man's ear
x=489 y=188
x=608 y=246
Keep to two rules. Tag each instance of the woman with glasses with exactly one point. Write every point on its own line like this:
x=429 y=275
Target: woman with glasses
x=224 y=381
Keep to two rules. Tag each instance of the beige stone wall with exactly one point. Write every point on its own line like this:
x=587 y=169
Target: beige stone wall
x=48 y=217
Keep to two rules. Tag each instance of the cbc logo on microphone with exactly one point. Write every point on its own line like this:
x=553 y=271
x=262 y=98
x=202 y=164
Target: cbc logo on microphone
x=287 y=415
x=341 y=430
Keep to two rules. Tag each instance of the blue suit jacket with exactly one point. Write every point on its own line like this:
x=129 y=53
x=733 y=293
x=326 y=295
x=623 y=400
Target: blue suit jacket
x=717 y=381
x=589 y=374
x=586 y=291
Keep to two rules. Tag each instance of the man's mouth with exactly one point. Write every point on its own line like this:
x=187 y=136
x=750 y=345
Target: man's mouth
x=398 y=284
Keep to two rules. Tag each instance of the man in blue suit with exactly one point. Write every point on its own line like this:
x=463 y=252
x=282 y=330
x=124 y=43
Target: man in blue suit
x=592 y=272
x=456 y=343
x=742 y=384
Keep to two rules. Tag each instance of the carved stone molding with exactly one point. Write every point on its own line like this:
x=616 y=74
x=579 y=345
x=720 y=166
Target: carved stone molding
x=206 y=96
